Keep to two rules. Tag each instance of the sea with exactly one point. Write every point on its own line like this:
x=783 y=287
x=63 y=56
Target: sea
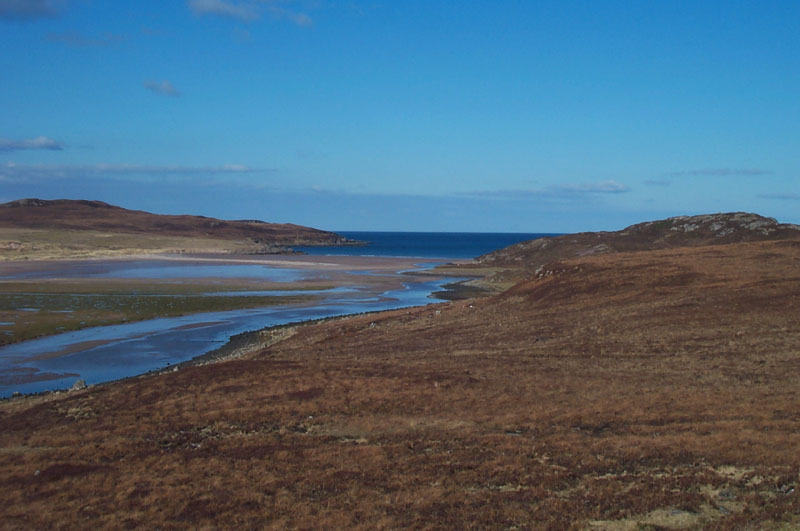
x=455 y=245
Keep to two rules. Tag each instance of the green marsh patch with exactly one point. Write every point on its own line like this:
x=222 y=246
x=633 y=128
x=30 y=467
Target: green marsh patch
x=29 y=309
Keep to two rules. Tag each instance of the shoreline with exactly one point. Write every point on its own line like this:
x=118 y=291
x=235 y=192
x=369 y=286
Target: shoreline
x=335 y=262
x=237 y=346
x=373 y=276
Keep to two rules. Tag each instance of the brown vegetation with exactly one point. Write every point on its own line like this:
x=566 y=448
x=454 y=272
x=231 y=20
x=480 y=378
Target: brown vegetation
x=633 y=389
x=680 y=231
x=37 y=228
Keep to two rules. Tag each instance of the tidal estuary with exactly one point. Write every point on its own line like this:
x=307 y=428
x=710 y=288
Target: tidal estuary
x=344 y=285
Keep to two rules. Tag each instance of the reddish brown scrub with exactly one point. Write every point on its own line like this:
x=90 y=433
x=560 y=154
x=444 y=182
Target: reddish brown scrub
x=642 y=389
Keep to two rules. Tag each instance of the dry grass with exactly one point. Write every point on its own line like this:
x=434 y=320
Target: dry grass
x=44 y=244
x=634 y=391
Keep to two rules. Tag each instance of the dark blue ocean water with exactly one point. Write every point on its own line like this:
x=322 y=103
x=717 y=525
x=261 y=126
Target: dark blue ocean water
x=424 y=244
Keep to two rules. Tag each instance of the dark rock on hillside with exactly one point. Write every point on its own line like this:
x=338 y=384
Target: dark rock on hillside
x=681 y=231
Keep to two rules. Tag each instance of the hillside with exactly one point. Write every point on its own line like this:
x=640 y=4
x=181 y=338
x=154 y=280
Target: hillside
x=63 y=228
x=636 y=390
x=681 y=231
x=99 y=216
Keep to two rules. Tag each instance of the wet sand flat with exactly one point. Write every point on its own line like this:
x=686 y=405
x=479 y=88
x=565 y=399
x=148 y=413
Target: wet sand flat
x=116 y=318
x=305 y=262
x=134 y=284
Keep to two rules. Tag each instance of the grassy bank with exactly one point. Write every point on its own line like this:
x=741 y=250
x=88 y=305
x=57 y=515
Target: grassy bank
x=42 y=244
x=34 y=309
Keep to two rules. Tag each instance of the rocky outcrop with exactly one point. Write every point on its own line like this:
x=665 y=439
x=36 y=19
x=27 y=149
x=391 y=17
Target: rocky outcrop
x=680 y=231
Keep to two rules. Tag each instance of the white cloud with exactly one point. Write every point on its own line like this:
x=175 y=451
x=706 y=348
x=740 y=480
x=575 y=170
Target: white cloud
x=40 y=142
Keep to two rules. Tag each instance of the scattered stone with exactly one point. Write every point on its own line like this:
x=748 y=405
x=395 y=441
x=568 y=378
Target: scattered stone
x=11 y=246
x=727 y=495
x=680 y=231
x=78 y=385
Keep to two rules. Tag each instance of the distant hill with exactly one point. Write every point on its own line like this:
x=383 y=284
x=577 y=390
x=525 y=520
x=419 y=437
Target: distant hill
x=96 y=215
x=40 y=228
x=681 y=231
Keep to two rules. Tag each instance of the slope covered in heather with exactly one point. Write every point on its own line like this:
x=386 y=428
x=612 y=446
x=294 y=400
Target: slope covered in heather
x=639 y=390
x=681 y=231
x=37 y=228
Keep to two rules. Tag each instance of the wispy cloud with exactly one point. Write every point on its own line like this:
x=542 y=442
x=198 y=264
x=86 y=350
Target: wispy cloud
x=568 y=190
x=781 y=196
x=245 y=11
x=602 y=187
x=657 y=182
x=249 y=10
x=722 y=172
x=40 y=142
x=162 y=87
x=241 y=34
x=73 y=38
x=311 y=155
x=299 y=18
x=29 y=9
x=67 y=171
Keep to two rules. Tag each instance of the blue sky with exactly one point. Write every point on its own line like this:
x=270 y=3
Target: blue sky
x=516 y=116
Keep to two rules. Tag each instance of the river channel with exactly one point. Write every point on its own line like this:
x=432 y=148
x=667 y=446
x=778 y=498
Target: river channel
x=106 y=353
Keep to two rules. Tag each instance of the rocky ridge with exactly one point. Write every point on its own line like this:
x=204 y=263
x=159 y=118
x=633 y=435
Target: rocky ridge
x=680 y=231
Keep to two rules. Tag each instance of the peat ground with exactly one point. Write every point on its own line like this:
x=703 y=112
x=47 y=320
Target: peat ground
x=616 y=391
